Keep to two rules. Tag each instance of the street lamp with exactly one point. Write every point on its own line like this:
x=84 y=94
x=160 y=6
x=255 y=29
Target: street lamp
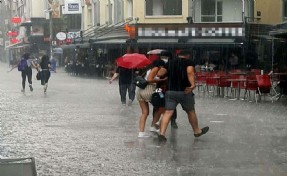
x=51 y=30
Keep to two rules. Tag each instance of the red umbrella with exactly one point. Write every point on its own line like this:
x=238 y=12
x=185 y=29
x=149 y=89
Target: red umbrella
x=153 y=57
x=134 y=60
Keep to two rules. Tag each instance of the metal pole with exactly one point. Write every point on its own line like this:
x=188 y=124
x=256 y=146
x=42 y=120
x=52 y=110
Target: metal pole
x=51 y=34
x=272 y=52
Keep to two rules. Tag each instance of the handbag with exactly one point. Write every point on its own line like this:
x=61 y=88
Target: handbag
x=38 y=75
x=140 y=82
x=158 y=98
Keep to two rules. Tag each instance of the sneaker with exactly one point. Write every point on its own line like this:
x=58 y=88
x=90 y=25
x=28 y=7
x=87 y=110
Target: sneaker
x=173 y=124
x=22 y=90
x=161 y=138
x=31 y=88
x=130 y=102
x=143 y=135
x=154 y=129
x=203 y=131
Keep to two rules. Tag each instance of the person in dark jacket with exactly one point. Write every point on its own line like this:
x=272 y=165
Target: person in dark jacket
x=126 y=84
x=45 y=66
x=27 y=71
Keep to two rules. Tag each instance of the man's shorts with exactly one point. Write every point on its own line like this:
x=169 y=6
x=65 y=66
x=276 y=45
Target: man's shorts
x=173 y=98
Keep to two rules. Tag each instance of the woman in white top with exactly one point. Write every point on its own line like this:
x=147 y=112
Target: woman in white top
x=144 y=95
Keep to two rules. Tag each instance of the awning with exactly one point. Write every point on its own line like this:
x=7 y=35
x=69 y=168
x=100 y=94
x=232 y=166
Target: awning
x=74 y=46
x=111 y=41
x=157 y=40
x=17 y=45
x=181 y=41
x=281 y=33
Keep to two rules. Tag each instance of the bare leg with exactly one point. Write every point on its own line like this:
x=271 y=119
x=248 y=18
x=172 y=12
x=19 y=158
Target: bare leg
x=145 y=111
x=193 y=122
x=156 y=115
x=165 y=120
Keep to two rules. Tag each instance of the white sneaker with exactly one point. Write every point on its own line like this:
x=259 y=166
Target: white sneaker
x=130 y=102
x=153 y=129
x=143 y=135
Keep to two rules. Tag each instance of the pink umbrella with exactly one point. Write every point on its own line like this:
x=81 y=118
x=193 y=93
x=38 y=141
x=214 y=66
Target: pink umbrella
x=155 y=51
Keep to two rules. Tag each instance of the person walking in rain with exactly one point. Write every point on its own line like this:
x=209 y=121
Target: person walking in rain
x=180 y=90
x=25 y=66
x=45 y=66
x=144 y=97
x=126 y=84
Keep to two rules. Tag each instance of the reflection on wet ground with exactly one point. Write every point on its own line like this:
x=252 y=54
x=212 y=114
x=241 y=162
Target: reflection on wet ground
x=80 y=128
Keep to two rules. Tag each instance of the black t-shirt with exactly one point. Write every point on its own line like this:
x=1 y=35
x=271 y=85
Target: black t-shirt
x=126 y=76
x=177 y=74
x=44 y=65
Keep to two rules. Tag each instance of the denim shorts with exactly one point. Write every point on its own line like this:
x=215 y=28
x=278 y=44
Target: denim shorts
x=173 y=98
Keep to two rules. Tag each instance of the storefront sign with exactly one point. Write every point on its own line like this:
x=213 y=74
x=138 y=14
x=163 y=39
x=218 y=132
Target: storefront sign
x=61 y=36
x=12 y=33
x=72 y=7
x=192 y=32
x=14 y=40
x=16 y=20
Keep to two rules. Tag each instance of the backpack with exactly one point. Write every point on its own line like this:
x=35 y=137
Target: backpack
x=22 y=65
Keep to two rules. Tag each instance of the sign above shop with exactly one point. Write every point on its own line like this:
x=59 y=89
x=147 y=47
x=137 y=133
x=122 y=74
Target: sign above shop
x=61 y=36
x=16 y=20
x=72 y=7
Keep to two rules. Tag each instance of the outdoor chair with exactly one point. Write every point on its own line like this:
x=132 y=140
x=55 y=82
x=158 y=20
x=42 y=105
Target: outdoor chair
x=201 y=81
x=234 y=85
x=251 y=85
x=18 y=167
x=255 y=71
x=264 y=86
x=224 y=84
x=211 y=83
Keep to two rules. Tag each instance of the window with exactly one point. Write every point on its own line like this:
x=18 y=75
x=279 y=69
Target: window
x=118 y=9
x=163 y=7
x=285 y=9
x=211 y=11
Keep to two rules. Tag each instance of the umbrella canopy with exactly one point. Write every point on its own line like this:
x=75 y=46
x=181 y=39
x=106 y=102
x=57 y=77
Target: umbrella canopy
x=153 y=57
x=155 y=51
x=132 y=61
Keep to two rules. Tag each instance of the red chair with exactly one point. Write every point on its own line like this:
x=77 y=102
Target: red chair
x=264 y=85
x=200 y=80
x=251 y=85
x=212 y=82
x=255 y=71
x=223 y=83
x=234 y=85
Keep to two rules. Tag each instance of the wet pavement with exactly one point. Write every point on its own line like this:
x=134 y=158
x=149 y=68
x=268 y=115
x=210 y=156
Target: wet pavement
x=79 y=128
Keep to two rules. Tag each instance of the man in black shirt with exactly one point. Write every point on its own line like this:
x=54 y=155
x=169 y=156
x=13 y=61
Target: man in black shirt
x=180 y=86
x=126 y=77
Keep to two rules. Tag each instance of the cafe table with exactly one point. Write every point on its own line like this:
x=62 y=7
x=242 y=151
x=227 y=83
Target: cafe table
x=238 y=80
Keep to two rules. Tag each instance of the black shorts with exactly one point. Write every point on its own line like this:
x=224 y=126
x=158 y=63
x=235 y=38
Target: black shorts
x=173 y=98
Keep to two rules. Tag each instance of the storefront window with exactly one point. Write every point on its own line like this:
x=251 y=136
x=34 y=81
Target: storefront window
x=285 y=9
x=163 y=7
x=211 y=11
